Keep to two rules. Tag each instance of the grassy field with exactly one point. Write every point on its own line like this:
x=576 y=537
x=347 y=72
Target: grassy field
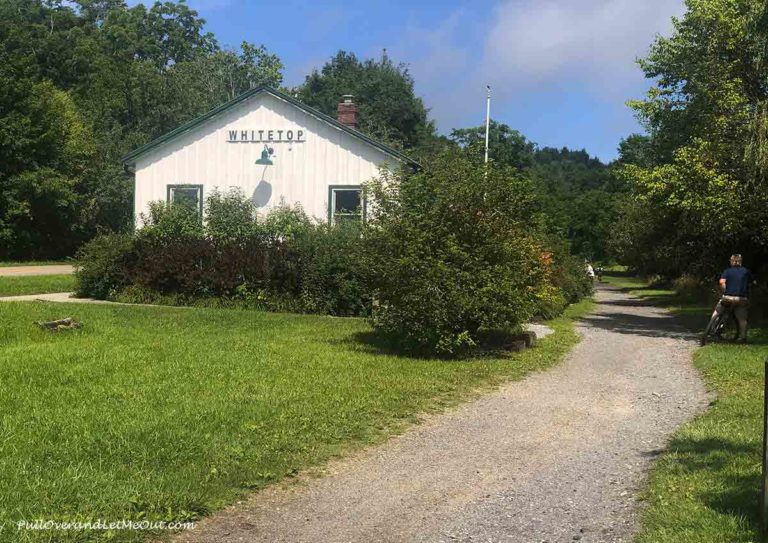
x=706 y=488
x=36 y=284
x=170 y=413
x=34 y=263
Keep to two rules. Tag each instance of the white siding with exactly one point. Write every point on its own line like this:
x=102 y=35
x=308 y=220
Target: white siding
x=302 y=172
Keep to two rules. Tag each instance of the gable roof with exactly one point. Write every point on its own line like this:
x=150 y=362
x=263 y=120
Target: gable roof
x=131 y=157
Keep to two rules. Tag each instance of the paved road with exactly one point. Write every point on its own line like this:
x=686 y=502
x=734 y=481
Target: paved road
x=16 y=271
x=558 y=457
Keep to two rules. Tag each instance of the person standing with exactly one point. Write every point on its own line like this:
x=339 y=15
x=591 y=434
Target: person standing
x=735 y=282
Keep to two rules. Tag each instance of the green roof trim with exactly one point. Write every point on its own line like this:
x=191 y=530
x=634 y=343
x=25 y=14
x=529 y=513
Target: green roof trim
x=131 y=157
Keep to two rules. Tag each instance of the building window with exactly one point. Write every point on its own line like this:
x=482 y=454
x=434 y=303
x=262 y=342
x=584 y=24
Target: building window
x=191 y=195
x=346 y=203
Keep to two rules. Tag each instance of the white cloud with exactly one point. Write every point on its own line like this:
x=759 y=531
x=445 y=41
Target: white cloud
x=534 y=46
x=591 y=41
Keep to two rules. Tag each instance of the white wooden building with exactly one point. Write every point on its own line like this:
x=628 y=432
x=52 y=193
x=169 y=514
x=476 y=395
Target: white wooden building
x=270 y=145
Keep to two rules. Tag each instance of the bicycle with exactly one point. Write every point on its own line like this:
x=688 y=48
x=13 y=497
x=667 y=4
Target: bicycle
x=722 y=326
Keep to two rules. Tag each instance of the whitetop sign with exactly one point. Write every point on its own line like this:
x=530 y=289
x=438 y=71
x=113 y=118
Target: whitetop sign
x=289 y=135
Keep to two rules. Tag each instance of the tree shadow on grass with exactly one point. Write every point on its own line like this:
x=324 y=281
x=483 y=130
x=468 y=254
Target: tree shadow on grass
x=494 y=345
x=736 y=490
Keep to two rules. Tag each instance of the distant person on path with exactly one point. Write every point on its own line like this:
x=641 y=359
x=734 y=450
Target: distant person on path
x=599 y=272
x=590 y=271
x=734 y=282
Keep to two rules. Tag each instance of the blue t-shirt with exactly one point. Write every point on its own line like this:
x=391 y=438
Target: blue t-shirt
x=737 y=279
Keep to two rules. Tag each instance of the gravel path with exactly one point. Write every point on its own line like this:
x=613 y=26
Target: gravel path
x=557 y=457
x=52 y=269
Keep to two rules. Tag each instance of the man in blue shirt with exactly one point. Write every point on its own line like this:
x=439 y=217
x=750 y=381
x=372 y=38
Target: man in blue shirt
x=734 y=283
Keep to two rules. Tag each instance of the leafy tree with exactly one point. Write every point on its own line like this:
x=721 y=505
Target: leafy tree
x=507 y=147
x=389 y=109
x=706 y=180
x=637 y=149
x=577 y=195
x=82 y=82
x=208 y=81
x=46 y=148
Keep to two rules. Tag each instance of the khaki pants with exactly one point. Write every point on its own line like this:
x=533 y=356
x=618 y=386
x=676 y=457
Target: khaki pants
x=740 y=308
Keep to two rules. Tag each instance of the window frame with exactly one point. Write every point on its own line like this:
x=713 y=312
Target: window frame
x=332 y=189
x=170 y=188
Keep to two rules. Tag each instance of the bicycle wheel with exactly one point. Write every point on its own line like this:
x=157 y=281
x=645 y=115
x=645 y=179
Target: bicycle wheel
x=729 y=328
x=713 y=327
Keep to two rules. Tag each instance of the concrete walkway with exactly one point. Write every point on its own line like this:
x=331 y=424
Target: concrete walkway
x=52 y=297
x=17 y=271
x=560 y=456
x=68 y=298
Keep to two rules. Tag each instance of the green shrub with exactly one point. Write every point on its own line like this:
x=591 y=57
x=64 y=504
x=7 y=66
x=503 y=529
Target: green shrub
x=571 y=278
x=451 y=252
x=167 y=221
x=285 y=222
x=229 y=217
x=286 y=264
x=193 y=265
x=447 y=252
x=281 y=229
x=692 y=289
x=335 y=278
x=102 y=266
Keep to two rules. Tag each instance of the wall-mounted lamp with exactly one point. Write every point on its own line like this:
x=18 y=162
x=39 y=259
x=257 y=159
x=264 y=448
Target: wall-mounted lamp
x=265 y=154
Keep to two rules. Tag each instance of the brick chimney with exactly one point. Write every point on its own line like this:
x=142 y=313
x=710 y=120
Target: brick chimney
x=347 y=111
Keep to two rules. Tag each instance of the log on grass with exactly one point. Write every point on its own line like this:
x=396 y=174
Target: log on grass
x=62 y=324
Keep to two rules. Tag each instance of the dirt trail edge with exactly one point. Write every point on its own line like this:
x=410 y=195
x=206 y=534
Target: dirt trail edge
x=559 y=456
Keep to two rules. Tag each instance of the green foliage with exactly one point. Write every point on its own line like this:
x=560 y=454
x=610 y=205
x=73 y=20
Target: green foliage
x=81 y=84
x=450 y=253
x=172 y=221
x=287 y=263
x=389 y=109
x=568 y=276
x=46 y=148
x=286 y=222
x=209 y=80
x=101 y=265
x=229 y=217
x=447 y=251
x=700 y=178
x=335 y=277
x=577 y=196
x=576 y=193
x=506 y=147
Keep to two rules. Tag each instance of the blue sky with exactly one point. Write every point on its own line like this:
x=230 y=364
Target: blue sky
x=561 y=70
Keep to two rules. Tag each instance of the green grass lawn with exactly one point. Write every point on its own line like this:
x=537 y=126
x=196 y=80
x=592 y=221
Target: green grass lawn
x=171 y=413
x=36 y=284
x=34 y=263
x=706 y=488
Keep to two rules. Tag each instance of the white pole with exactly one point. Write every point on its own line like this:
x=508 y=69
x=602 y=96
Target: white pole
x=487 y=121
